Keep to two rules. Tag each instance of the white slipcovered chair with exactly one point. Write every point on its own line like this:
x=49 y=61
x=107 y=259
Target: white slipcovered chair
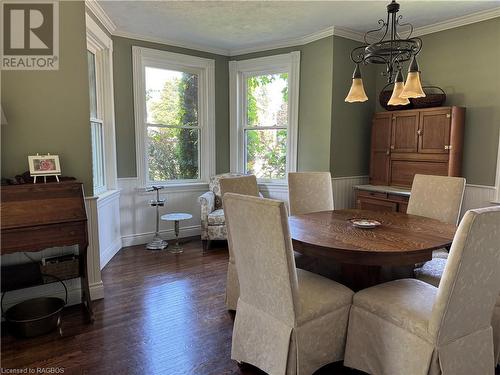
x=437 y=197
x=410 y=327
x=246 y=185
x=309 y=192
x=312 y=192
x=288 y=321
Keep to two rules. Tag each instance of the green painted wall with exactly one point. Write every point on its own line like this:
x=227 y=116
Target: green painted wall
x=350 y=134
x=48 y=111
x=315 y=99
x=464 y=62
x=124 y=103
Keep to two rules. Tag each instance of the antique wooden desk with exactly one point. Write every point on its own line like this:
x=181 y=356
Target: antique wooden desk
x=39 y=216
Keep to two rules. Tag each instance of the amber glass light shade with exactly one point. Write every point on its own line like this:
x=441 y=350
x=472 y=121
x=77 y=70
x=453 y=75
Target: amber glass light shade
x=396 y=99
x=396 y=92
x=357 y=92
x=413 y=86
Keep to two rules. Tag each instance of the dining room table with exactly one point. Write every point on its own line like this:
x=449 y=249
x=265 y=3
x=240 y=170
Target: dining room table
x=369 y=256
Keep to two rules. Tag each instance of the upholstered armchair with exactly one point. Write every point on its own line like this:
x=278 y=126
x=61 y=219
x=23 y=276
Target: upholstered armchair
x=213 y=226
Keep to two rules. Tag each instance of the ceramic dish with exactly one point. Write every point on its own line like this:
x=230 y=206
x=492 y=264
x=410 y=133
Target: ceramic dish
x=365 y=223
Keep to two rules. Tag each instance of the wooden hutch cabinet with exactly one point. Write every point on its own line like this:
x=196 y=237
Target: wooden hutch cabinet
x=405 y=143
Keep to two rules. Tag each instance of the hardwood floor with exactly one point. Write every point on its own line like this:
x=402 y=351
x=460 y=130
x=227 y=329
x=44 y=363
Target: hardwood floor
x=162 y=314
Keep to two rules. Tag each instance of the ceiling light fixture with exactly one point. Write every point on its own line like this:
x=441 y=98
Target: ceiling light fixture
x=392 y=50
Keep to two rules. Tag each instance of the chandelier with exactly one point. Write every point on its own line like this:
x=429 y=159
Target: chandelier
x=392 y=49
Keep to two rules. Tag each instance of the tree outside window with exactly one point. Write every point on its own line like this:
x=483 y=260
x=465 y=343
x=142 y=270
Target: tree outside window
x=172 y=125
x=266 y=125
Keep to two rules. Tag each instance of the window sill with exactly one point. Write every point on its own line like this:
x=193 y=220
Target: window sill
x=174 y=188
x=273 y=186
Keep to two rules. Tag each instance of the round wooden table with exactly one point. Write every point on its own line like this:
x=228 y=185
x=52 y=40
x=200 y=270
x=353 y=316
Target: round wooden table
x=366 y=255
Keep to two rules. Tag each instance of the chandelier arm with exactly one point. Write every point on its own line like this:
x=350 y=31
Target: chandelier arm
x=410 y=32
x=382 y=25
x=417 y=45
x=358 y=55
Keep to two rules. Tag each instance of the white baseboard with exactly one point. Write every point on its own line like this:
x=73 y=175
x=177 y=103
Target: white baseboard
x=96 y=291
x=144 y=238
x=110 y=251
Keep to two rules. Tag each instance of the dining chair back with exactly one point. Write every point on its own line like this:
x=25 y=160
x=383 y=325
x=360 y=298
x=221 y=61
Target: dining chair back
x=411 y=327
x=471 y=280
x=309 y=192
x=246 y=185
x=258 y=233
x=288 y=321
x=437 y=197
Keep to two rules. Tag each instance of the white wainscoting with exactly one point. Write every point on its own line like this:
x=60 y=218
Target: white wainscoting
x=343 y=191
x=108 y=212
x=477 y=196
x=138 y=217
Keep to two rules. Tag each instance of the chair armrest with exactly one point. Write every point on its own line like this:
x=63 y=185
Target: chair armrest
x=207 y=202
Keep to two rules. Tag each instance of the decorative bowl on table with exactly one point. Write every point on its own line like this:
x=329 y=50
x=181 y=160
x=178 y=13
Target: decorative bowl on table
x=365 y=223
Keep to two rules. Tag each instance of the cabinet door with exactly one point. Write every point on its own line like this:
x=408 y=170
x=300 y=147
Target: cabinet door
x=380 y=149
x=434 y=131
x=404 y=132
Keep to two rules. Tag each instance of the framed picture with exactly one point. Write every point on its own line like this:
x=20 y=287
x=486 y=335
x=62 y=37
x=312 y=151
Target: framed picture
x=44 y=165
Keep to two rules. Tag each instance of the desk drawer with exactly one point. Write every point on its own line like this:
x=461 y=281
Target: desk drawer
x=398 y=198
x=43 y=236
x=371 y=194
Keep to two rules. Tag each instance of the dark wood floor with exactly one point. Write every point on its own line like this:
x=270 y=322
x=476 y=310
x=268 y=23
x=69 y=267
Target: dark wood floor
x=162 y=314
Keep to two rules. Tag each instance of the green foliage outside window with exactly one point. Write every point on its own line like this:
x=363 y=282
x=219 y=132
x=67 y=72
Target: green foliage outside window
x=266 y=148
x=173 y=151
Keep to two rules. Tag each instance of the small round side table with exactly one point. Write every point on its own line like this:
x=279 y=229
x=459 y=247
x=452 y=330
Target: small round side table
x=176 y=217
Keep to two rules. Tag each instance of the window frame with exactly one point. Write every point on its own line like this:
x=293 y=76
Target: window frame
x=205 y=69
x=101 y=45
x=497 y=176
x=239 y=71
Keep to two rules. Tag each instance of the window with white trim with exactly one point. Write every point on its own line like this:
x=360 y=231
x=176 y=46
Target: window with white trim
x=174 y=103
x=99 y=62
x=264 y=115
x=96 y=127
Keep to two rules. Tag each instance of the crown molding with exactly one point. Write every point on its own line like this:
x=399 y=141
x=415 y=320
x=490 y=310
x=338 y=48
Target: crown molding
x=344 y=32
x=284 y=43
x=95 y=8
x=349 y=34
x=457 y=22
x=173 y=43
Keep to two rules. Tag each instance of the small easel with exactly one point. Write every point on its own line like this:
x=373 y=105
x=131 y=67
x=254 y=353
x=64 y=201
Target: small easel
x=56 y=172
x=45 y=177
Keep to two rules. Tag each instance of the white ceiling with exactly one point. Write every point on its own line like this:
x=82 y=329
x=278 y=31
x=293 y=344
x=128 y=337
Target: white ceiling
x=230 y=27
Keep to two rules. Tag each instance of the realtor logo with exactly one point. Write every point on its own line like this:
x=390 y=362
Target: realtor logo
x=30 y=35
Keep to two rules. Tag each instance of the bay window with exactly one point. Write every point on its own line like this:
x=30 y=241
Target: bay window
x=264 y=109
x=174 y=105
